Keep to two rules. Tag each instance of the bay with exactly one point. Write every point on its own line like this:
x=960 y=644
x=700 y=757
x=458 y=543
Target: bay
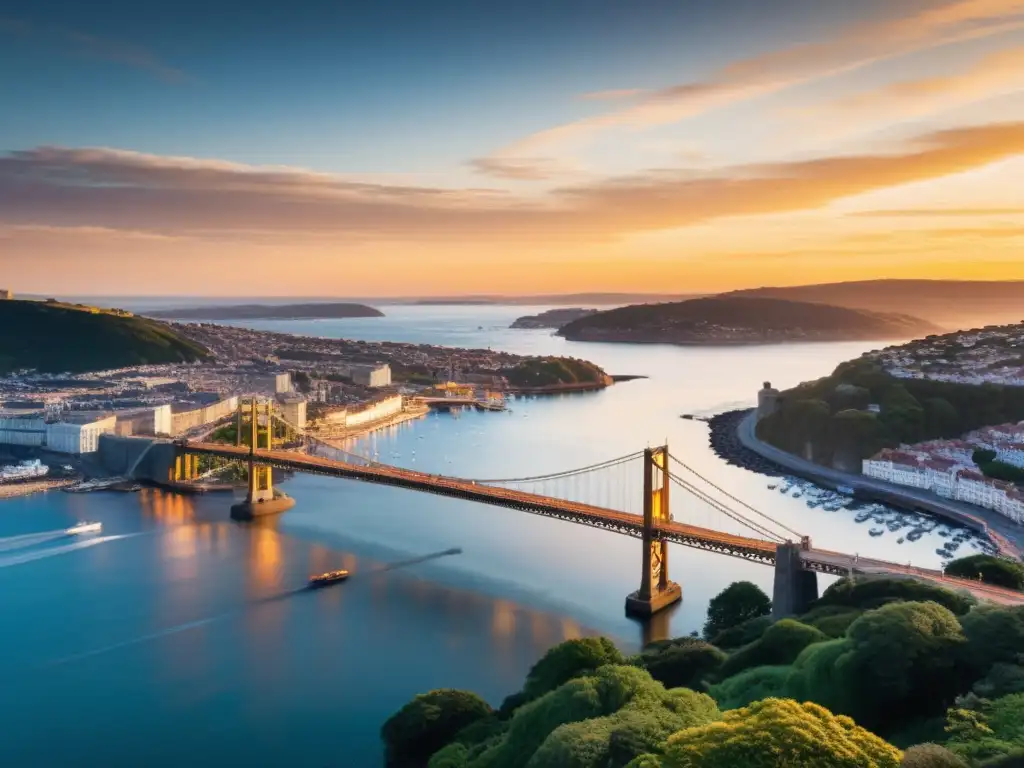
x=183 y=637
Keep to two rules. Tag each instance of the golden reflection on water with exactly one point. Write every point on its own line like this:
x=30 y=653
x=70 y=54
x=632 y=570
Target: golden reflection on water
x=264 y=558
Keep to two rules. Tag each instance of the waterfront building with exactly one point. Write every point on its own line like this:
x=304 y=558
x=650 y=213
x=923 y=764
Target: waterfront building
x=767 y=400
x=79 y=433
x=293 y=410
x=22 y=430
x=6 y=294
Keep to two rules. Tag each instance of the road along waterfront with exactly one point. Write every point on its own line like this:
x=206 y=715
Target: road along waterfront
x=190 y=638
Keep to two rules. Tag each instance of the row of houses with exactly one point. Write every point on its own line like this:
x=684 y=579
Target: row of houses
x=946 y=476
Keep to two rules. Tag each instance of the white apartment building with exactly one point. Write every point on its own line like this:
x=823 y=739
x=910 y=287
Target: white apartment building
x=79 y=436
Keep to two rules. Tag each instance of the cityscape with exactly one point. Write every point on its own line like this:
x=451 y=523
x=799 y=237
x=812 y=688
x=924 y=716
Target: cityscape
x=464 y=385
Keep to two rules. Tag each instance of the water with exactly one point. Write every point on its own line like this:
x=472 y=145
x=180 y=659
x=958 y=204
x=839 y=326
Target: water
x=178 y=636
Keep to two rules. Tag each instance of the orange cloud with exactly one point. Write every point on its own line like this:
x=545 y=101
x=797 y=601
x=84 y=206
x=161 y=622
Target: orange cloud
x=855 y=46
x=123 y=190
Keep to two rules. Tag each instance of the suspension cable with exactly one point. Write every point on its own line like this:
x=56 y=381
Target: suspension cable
x=718 y=506
x=566 y=473
x=738 y=501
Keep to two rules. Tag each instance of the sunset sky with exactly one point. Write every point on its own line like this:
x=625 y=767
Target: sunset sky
x=420 y=148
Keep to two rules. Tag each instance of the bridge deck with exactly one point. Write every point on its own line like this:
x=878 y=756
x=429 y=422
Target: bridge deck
x=757 y=550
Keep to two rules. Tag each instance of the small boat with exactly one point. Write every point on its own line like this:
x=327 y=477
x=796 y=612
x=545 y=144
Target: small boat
x=876 y=532
x=326 y=579
x=845 y=490
x=772 y=486
x=84 y=527
x=797 y=495
x=916 y=534
x=900 y=540
x=862 y=517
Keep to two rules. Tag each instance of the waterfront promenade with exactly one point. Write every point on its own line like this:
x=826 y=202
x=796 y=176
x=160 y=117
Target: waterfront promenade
x=1007 y=535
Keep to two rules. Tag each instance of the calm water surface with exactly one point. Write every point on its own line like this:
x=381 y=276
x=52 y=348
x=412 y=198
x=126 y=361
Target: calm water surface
x=180 y=637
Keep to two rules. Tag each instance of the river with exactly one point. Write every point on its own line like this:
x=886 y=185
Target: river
x=180 y=637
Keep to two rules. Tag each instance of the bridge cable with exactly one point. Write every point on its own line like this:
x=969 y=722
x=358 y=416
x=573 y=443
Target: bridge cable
x=719 y=507
x=738 y=501
x=609 y=464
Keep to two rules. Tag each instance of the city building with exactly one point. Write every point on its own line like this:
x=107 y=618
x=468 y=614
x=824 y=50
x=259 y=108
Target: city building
x=147 y=421
x=80 y=433
x=6 y=294
x=282 y=383
x=371 y=375
x=293 y=410
x=22 y=430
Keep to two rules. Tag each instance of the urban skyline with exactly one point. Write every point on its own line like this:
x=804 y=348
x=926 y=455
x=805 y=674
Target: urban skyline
x=478 y=149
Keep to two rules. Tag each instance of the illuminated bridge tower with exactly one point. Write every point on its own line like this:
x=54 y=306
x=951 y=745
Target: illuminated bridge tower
x=260 y=498
x=656 y=591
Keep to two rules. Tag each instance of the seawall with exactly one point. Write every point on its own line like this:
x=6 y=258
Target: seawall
x=145 y=458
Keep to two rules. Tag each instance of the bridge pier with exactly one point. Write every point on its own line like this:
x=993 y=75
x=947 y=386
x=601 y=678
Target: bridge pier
x=260 y=499
x=656 y=591
x=795 y=588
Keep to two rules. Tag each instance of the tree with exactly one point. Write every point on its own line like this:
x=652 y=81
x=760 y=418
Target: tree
x=991 y=570
x=872 y=592
x=683 y=662
x=781 y=644
x=779 y=732
x=751 y=685
x=567 y=660
x=931 y=756
x=429 y=722
x=742 y=634
x=737 y=603
x=994 y=634
x=941 y=418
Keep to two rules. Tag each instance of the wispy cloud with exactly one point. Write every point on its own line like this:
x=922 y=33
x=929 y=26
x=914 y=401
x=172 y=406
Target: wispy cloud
x=938 y=213
x=852 y=47
x=80 y=43
x=612 y=95
x=126 y=190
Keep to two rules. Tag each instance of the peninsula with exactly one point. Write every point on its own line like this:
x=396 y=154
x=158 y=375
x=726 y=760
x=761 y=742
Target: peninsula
x=720 y=320
x=552 y=318
x=313 y=311
x=52 y=337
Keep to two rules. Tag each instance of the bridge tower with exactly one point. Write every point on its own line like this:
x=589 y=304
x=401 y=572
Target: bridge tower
x=260 y=498
x=185 y=469
x=656 y=591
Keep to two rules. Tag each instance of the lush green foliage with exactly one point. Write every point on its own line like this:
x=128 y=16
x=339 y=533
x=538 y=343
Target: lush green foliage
x=992 y=570
x=815 y=418
x=553 y=371
x=429 y=722
x=567 y=660
x=779 y=732
x=781 y=644
x=737 y=603
x=866 y=593
x=684 y=662
x=54 y=338
x=741 y=634
x=910 y=670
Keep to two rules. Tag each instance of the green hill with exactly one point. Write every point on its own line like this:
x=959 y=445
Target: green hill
x=51 y=337
x=735 y=320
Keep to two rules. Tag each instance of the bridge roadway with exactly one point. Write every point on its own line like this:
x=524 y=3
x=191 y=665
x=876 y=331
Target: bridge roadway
x=756 y=550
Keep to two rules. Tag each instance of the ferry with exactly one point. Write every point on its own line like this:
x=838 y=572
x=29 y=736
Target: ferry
x=326 y=579
x=83 y=527
x=26 y=470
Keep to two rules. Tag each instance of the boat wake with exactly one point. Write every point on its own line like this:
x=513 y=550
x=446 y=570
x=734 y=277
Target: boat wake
x=28 y=557
x=7 y=543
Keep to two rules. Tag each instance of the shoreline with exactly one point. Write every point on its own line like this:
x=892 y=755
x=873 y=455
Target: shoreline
x=18 y=490
x=374 y=426
x=732 y=440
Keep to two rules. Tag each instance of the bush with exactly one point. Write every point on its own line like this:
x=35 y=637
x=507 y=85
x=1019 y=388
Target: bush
x=567 y=660
x=737 y=603
x=833 y=620
x=994 y=634
x=873 y=592
x=742 y=634
x=751 y=685
x=779 y=732
x=453 y=756
x=429 y=722
x=684 y=662
x=781 y=644
x=931 y=756
x=1001 y=680
x=991 y=570
x=987 y=729
x=575 y=745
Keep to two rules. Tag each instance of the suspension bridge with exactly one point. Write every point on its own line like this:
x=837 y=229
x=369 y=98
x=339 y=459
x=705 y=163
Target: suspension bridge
x=602 y=495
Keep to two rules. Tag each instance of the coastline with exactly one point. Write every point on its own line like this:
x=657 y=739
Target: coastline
x=734 y=342
x=401 y=417
x=733 y=440
x=27 y=489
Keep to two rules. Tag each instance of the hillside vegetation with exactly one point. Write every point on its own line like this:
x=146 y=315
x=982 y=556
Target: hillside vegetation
x=825 y=420
x=880 y=673
x=724 y=319
x=312 y=311
x=54 y=338
x=948 y=303
x=555 y=371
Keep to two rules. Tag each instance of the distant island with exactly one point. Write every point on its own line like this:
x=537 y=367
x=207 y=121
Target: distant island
x=325 y=311
x=551 y=374
x=951 y=304
x=53 y=337
x=735 y=320
x=552 y=318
